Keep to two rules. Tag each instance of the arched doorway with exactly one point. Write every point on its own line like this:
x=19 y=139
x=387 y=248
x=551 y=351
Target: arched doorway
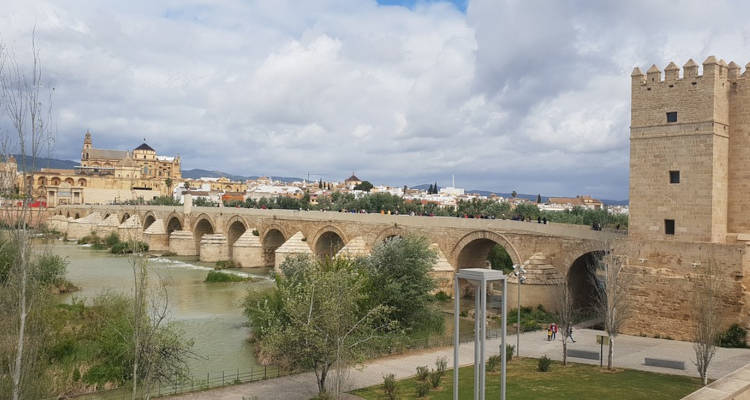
x=150 y=219
x=328 y=244
x=203 y=227
x=272 y=241
x=235 y=230
x=583 y=283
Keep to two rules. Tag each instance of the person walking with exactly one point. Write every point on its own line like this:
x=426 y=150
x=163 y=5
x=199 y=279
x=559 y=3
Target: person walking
x=549 y=333
x=554 y=331
x=570 y=334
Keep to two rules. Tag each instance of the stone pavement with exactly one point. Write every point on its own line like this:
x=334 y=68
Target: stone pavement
x=629 y=353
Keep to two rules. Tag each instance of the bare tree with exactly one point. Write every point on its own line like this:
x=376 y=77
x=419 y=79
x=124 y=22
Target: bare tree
x=707 y=315
x=613 y=302
x=29 y=111
x=565 y=314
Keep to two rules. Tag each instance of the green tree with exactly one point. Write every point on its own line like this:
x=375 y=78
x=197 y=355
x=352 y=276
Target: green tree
x=398 y=271
x=364 y=186
x=500 y=259
x=169 y=182
x=316 y=317
x=538 y=199
x=514 y=194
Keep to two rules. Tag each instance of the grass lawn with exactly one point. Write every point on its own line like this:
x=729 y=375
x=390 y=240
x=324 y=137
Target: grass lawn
x=576 y=381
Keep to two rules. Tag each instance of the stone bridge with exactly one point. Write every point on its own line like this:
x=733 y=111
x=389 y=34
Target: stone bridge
x=263 y=238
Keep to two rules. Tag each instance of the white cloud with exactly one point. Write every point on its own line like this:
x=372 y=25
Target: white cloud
x=525 y=95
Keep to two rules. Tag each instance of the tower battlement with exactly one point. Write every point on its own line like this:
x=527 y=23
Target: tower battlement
x=690 y=151
x=716 y=69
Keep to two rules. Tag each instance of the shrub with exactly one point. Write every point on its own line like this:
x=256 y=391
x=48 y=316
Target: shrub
x=128 y=247
x=463 y=314
x=422 y=372
x=255 y=232
x=530 y=325
x=734 y=336
x=442 y=296
x=76 y=374
x=494 y=361
x=112 y=239
x=217 y=276
x=169 y=254
x=389 y=387
x=422 y=389
x=435 y=378
x=441 y=365
x=544 y=364
x=509 y=350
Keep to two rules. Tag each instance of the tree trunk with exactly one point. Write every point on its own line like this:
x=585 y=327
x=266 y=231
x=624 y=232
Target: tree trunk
x=565 y=350
x=322 y=378
x=610 y=352
x=21 y=333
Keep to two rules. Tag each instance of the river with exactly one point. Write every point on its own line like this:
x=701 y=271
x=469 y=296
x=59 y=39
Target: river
x=208 y=313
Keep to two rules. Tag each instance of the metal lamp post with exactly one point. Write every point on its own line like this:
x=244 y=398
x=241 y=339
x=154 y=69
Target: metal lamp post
x=479 y=277
x=520 y=273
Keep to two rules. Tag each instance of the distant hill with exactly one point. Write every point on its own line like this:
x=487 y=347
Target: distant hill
x=43 y=162
x=198 y=173
x=531 y=197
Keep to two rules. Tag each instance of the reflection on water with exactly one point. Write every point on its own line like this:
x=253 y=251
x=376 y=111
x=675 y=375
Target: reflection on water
x=208 y=313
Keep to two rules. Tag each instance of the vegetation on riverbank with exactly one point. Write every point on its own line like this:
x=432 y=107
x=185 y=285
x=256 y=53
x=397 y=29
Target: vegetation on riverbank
x=329 y=314
x=114 y=244
x=526 y=382
x=218 y=276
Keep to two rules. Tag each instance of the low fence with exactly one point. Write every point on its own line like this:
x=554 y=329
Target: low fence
x=224 y=378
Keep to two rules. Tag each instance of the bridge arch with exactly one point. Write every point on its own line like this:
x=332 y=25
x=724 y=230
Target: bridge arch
x=328 y=241
x=174 y=223
x=389 y=233
x=472 y=250
x=148 y=220
x=204 y=225
x=236 y=227
x=271 y=239
x=583 y=282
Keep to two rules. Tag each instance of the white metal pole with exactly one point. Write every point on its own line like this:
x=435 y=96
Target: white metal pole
x=505 y=325
x=518 y=307
x=484 y=338
x=477 y=310
x=457 y=300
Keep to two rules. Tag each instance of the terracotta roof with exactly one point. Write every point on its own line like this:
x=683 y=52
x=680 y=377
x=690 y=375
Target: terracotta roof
x=353 y=178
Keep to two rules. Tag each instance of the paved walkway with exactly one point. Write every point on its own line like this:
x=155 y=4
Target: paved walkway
x=629 y=353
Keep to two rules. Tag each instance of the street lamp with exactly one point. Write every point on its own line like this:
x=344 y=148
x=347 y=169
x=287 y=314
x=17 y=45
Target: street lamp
x=520 y=274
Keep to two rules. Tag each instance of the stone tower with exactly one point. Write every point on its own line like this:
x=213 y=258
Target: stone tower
x=86 y=146
x=690 y=153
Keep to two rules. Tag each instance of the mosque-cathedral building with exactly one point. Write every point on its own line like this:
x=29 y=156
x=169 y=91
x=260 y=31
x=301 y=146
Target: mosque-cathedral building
x=106 y=175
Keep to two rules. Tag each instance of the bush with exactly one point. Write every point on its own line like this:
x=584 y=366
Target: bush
x=734 y=336
x=76 y=374
x=442 y=296
x=435 y=377
x=216 y=276
x=92 y=239
x=544 y=364
x=441 y=365
x=389 y=387
x=129 y=247
x=494 y=361
x=112 y=239
x=422 y=372
x=422 y=389
x=509 y=350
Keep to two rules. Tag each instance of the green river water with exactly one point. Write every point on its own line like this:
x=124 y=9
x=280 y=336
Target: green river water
x=208 y=313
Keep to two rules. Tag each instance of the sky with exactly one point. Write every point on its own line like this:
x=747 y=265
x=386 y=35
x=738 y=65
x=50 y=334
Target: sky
x=505 y=95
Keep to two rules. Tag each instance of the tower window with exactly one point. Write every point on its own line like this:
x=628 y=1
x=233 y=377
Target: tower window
x=672 y=116
x=674 y=176
x=669 y=226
